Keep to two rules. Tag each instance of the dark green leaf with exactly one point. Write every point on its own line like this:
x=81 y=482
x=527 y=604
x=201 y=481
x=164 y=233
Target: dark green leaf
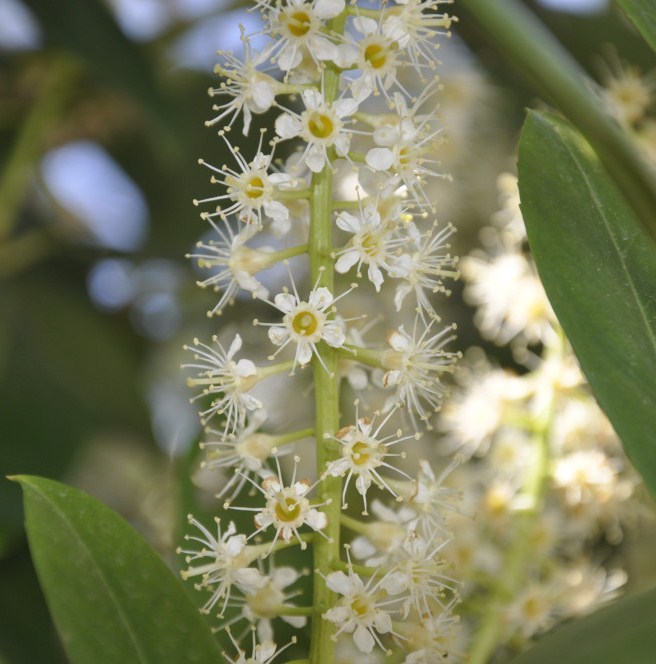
x=642 y=14
x=111 y=596
x=599 y=270
x=624 y=631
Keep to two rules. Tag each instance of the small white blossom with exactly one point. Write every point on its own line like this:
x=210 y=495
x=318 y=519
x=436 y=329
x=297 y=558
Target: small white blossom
x=286 y=509
x=414 y=366
x=321 y=125
x=360 y=611
x=372 y=243
x=221 y=562
x=251 y=190
x=363 y=453
x=298 y=28
x=230 y=381
x=250 y=88
x=233 y=264
x=306 y=324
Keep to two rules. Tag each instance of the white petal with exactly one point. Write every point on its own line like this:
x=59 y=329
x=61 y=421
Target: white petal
x=289 y=58
x=284 y=576
x=380 y=159
x=362 y=484
x=382 y=622
x=286 y=302
x=316 y=520
x=341 y=583
x=250 y=402
x=287 y=126
x=333 y=335
x=262 y=95
x=321 y=298
x=386 y=135
x=323 y=49
x=363 y=639
x=348 y=222
x=234 y=346
x=245 y=368
x=342 y=144
x=392 y=378
x=375 y=276
x=398 y=341
x=295 y=621
x=276 y=211
x=395 y=583
x=346 y=261
x=303 y=353
x=315 y=158
x=267 y=647
x=365 y=25
x=278 y=334
x=362 y=87
x=345 y=55
x=345 y=107
x=357 y=378
x=312 y=99
x=401 y=291
x=328 y=8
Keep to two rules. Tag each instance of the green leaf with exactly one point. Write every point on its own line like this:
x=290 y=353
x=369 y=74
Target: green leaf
x=112 y=598
x=624 y=631
x=599 y=270
x=642 y=14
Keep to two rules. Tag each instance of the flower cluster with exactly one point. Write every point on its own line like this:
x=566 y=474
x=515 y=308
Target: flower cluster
x=547 y=479
x=352 y=200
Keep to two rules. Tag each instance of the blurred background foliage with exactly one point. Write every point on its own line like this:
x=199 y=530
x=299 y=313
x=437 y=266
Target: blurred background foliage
x=102 y=112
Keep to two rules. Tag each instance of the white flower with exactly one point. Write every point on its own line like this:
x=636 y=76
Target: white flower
x=286 y=509
x=415 y=364
x=424 y=268
x=266 y=599
x=363 y=452
x=405 y=144
x=433 y=639
x=372 y=243
x=413 y=24
x=297 y=28
x=245 y=451
x=251 y=190
x=261 y=653
x=359 y=611
x=376 y=58
x=504 y=313
x=418 y=574
x=221 y=562
x=250 y=89
x=233 y=264
x=221 y=375
x=320 y=125
x=306 y=324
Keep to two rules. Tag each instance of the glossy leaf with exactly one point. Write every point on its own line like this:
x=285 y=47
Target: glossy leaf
x=111 y=596
x=599 y=270
x=642 y=14
x=624 y=631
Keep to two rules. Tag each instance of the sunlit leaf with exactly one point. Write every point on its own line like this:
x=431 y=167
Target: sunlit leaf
x=599 y=270
x=111 y=596
x=643 y=15
x=624 y=631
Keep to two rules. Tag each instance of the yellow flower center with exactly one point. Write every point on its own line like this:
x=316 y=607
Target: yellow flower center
x=376 y=55
x=298 y=23
x=320 y=125
x=362 y=452
x=305 y=323
x=360 y=605
x=287 y=509
x=254 y=187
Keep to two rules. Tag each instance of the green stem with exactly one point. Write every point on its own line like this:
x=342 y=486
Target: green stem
x=517 y=33
x=326 y=391
x=372 y=358
x=47 y=107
